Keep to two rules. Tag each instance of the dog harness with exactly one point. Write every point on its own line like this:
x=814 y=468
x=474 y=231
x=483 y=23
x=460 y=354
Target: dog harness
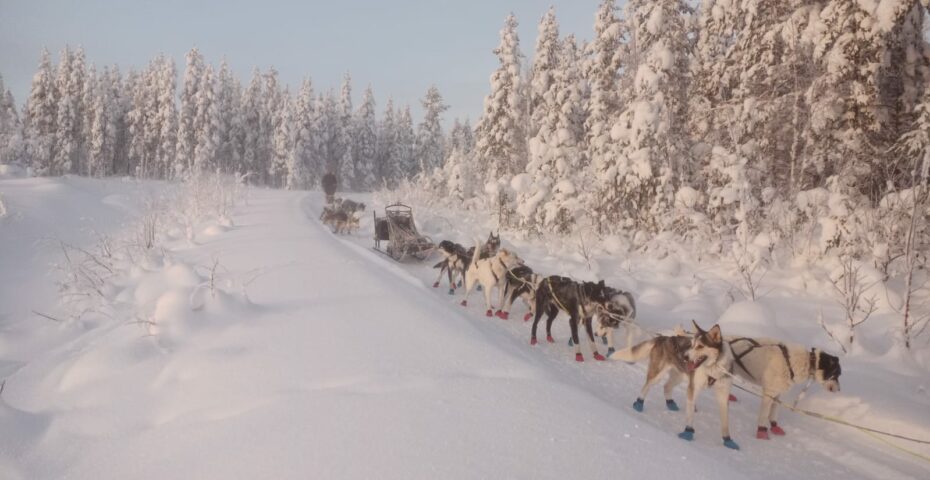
x=784 y=352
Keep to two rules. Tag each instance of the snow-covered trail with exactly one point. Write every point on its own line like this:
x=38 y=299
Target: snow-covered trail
x=346 y=365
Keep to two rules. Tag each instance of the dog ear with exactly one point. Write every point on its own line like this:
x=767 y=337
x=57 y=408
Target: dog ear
x=715 y=335
x=697 y=328
x=679 y=331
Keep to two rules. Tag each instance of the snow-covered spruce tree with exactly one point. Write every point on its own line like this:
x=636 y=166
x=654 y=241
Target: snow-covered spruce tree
x=558 y=165
x=10 y=128
x=326 y=130
x=458 y=174
x=541 y=83
x=226 y=96
x=272 y=99
x=402 y=152
x=500 y=139
x=304 y=169
x=365 y=148
x=39 y=118
x=102 y=139
x=461 y=137
x=282 y=145
x=345 y=126
x=388 y=170
x=206 y=125
x=648 y=140
x=604 y=105
x=166 y=118
x=251 y=125
x=187 y=111
x=430 y=139
x=66 y=123
x=121 y=96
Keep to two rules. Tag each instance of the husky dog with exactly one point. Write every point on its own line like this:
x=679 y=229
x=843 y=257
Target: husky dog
x=351 y=206
x=582 y=301
x=520 y=282
x=335 y=219
x=776 y=367
x=458 y=258
x=620 y=308
x=455 y=261
x=666 y=354
x=489 y=273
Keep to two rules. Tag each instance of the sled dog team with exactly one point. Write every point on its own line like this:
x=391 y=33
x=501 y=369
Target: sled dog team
x=707 y=359
x=341 y=215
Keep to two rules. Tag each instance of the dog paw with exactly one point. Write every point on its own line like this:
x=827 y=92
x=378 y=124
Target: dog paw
x=533 y=341
x=762 y=433
x=436 y=285
x=671 y=405
x=604 y=339
x=688 y=434
x=610 y=351
x=451 y=291
x=550 y=339
x=729 y=443
x=571 y=343
x=599 y=357
x=639 y=404
x=489 y=313
x=732 y=398
x=579 y=357
x=478 y=288
x=464 y=303
x=777 y=430
x=527 y=317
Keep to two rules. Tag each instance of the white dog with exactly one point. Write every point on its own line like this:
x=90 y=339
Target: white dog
x=489 y=272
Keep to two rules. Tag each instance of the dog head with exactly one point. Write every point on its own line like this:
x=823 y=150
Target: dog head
x=706 y=347
x=493 y=244
x=828 y=371
x=446 y=247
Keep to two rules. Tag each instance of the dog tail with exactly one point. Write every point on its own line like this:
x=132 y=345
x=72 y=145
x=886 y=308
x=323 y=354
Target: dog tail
x=475 y=256
x=635 y=353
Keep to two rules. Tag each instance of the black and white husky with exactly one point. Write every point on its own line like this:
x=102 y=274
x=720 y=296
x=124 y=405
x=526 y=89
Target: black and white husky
x=456 y=259
x=582 y=301
x=489 y=273
x=776 y=367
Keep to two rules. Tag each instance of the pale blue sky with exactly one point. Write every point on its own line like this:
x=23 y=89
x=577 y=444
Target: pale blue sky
x=399 y=46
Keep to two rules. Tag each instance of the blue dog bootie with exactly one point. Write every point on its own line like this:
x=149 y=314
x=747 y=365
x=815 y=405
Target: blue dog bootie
x=671 y=405
x=570 y=342
x=610 y=351
x=478 y=287
x=729 y=443
x=451 y=291
x=688 y=434
x=604 y=339
x=639 y=404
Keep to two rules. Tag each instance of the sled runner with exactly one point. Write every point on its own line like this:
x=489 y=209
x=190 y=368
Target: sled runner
x=398 y=229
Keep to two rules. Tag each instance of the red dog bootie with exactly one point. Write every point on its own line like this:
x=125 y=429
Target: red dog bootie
x=527 y=317
x=762 y=433
x=464 y=303
x=436 y=285
x=579 y=357
x=776 y=430
x=533 y=341
x=503 y=315
x=489 y=313
x=599 y=357
x=732 y=398
x=550 y=339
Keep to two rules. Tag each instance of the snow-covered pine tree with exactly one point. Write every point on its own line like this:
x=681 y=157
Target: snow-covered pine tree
x=187 y=134
x=251 y=125
x=272 y=99
x=500 y=140
x=304 y=168
x=39 y=118
x=166 y=118
x=65 y=150
x=10 y=127
x=402 y=152
x=366 y=143
x=206 y=124
x=648 y=140
x=387 y=168
x=345 y=127
x=602 y=72
x=226 y=96
x=541 y=91
x=429 y=141
x=100 y=139
x=282 y=144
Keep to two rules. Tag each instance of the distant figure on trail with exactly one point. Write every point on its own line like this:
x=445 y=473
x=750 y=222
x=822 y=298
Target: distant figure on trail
x=329 y=187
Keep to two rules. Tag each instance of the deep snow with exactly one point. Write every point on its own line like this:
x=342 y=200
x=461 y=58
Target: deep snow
x=317 y=357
